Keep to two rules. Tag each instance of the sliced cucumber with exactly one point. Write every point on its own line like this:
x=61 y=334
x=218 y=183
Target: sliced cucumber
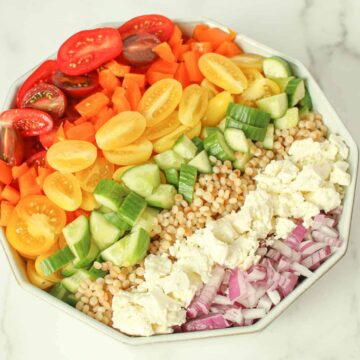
x=251 y=132
x=132 y=208
x=306 y=104
x=282 y=82
x=61 y=293
x=201 y=162
x=222 y=124
x=142 y=179
x=89 y=258
x=207 y=130
x=104 y=210
x=109 y=193
x=77 y=236
x=247 y=115
x=68 y=269
x=242 y=160
x=104 y=233
x=73 y=282
x=295 y=91
x=268 y=142
x=129 y=250
x=169 y=159
x=56 y=261
x=289 y=120
x=185 y=147
x=163 y=197
x=188 y=175
x=199 y=143
x=96 y=273
x=116 y=220
x=172 y=176
x=276 y=67
x=146 y=220
x=237 y=140
x=275 y=105
x=215 y=145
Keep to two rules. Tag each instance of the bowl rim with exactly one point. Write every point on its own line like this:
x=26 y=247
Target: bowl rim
x=277 y=310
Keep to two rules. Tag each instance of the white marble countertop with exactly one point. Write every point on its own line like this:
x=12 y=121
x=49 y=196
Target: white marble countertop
x=324 y=323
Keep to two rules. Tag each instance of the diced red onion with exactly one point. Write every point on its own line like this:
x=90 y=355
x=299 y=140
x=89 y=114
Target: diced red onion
x=284 y=264
x=237 y=284
x=309 y=247
x=252 y=314
x=287 y=283
x=248 y=322
x=222 y=300
x=286 y=250
x=265 y=303
x=273 y=254
x=296 y=236
x=301 y=269
x=201 y=303
x=317 y=257
x=274 y=296
x=256 y=273
x=208 y=322
x=235 y=316
x=328 y=240
x=329 y=231
x=225 y=284
x=218 y=309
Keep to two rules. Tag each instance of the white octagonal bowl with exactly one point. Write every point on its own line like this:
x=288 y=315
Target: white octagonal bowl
x=335 y=125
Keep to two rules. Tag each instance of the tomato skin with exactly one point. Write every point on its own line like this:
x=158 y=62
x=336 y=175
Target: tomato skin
x=45 y=97
x=76 y=86
x=155 y=24
x=47 y=139
x=29 y=122
x=87 y=50
x=42 y=74
x=137 y=49
x=38 y=159
x=11 y=146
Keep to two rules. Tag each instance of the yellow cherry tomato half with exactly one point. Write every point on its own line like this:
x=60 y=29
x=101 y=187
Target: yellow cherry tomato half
x=90 y=177
x=71 y=155
x=193 y=105
x=88 y=201
x=54 y=277
x=35 y=225
x=35 y=278
x=135 y=153
x=118 y=172
x=260 y=88
x=216 y=109
x=252 y=75
x=168 y=141
x=222 y=72
x=248 y=60
x=212 y=90
x=121 y=130
x=194 y=131
x=63 y=190
x=160 y=100
x=162 y=128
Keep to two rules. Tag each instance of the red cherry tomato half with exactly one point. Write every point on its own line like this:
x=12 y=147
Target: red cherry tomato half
x=76 y=86
x=45 y=97
x=38 y=159
x=87 y=50
x=48 y=138
x=29 y=122
x=137 y=49
x=11 y=146
x=32 y=146
x=42 y=74
x=158 y=25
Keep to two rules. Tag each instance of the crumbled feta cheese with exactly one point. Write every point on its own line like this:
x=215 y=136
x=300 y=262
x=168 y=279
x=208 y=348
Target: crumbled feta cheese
x=338 y=141
x=146 y=313
x=283 y=227
x=339 y=173
x=326 y=198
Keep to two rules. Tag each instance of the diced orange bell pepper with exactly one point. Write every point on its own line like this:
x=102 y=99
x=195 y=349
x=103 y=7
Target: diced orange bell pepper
x=117 y=69
x=176 y=36
x=5 y=173
x=108 y=80
x=214 y=35
x=228 y=48
x=182 y=75
x=80 y=120
x=201 y=47
x=6 y=210
x=85 y=131
x=179 y=50
x=133 y=94
x=43 y=173
x=28 y=184
x=137 y=78
x=154 y=76
x=10 y=194
x=60 y=134
x=92 y=105
x=119 y=100
x=191 y=59
x=19 y=170
x=164 y=52
x=199 y=28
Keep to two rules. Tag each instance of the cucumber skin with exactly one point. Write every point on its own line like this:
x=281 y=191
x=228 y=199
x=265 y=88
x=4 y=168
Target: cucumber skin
x=132 y=208
x=291 y=90
x=73 y=282
x=287 y=72
x=111 y=190
x=251 y=132
x=215 y=145
x=68 y=270
x=188 y=175
x=185 y=148
x=66 y=256
x=305 y=104
x=89 y=259
x=172 y=176
x=136 y=247
x=199 y=143
x=115 y=219
x=246 y=115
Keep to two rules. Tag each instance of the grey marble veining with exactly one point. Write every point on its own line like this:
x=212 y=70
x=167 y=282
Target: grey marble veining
x=324 y=324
